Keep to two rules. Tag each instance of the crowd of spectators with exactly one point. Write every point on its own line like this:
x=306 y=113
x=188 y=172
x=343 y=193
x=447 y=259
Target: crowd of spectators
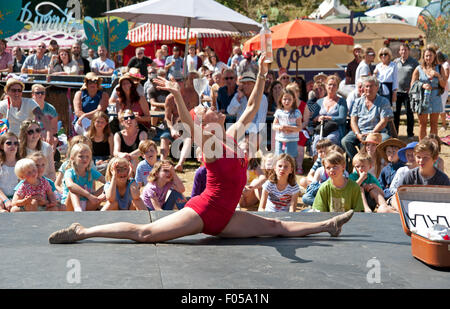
x=290 y=123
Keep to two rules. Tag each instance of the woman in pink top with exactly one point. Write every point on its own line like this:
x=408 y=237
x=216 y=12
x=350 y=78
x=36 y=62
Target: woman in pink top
x=213 y=211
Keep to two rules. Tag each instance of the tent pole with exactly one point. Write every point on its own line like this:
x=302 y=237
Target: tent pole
x=186 y=48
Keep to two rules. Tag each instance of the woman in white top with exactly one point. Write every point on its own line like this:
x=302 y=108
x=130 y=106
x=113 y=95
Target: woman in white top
x=31 y=141
x=387 y=74
x=62 y=64
x=215 y=65
x=9 y=155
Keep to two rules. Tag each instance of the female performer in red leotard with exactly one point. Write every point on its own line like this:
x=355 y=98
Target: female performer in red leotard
x=212 y=212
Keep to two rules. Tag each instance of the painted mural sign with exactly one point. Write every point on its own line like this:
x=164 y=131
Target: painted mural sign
x=305 y=56
x=9 y=12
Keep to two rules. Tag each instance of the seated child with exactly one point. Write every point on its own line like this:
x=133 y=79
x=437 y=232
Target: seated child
x=199 y=184
x=372 y=194
x=369 y=146
x=337 y=193
x=322 y=148
x=121 y=190
x=406 y=154
x=280 y=191
x=41 y=163
x=79 y=181
x=320 y=176
x=162 y=179
x=35 y=193
x=426 y=153
x=149 y=151
x=251 y=194
x=389 y=150
x=439 y=164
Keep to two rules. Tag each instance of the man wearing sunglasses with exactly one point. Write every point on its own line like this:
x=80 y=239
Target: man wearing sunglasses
x=141 y=62
x=18 y=109
x=227 y=92
x=38 y=61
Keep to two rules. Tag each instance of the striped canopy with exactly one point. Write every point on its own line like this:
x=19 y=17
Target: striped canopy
x=157 y=32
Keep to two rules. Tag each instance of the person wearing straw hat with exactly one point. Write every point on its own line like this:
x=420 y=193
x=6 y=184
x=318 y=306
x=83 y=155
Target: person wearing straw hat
x=18 y=109
x=369 y=146
x=127 y=96
x=141 y=62
x=87 y=101
x=135 y=75
x=389 y=150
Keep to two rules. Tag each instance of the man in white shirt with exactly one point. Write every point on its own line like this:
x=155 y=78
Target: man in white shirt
x=102 y=65
x=18 y=109
x=240 y=99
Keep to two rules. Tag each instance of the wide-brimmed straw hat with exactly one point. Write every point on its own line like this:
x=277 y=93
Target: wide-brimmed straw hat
x=373 y=138
x=93 y=77
x=136 y=73
x=129 y=77
x=395 y=142
x=13 y=81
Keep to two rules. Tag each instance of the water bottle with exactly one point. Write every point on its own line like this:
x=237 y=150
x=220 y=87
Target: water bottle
x=427 y=95
x=266 y=40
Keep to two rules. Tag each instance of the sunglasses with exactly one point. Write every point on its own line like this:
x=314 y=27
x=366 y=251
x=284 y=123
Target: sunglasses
x=285 y=77
x=31 y=132
x=386 y=54
x=42 y=46
x=228 y=78
x=129 y=117
x=39 y=92
x=92 y=81
x=15 y=90
x=9 y=143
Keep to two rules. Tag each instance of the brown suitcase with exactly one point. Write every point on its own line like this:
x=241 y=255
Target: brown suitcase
x=435 y=253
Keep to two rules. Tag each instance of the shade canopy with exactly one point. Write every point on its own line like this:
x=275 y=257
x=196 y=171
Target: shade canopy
x=301 y=33
x=407 y=12
x=202 y=14
x=156 y=32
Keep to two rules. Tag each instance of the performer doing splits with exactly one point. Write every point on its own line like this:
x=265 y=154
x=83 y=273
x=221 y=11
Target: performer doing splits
x=212 y=212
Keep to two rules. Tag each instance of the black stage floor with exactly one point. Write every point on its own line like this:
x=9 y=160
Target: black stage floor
x=372 y=252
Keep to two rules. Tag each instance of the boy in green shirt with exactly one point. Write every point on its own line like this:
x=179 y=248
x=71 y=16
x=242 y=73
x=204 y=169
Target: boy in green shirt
x=371 y=192
x=337 y=194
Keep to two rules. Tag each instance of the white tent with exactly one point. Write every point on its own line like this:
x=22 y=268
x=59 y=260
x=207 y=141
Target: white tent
x=329 y=8
x=407 y=12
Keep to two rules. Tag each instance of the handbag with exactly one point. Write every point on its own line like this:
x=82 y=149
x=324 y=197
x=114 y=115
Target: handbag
x=329 y=126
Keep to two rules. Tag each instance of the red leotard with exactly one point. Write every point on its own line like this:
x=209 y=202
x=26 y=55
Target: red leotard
x=226 y=178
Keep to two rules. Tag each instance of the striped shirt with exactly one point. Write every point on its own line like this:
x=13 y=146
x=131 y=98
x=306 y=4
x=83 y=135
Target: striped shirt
x=279 y=200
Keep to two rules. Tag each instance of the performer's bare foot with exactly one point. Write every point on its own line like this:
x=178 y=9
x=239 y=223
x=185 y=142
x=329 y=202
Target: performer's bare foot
x=66 y=236
x=337 y=222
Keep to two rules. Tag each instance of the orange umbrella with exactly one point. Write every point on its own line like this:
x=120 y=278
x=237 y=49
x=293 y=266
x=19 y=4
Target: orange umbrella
x=301 y=33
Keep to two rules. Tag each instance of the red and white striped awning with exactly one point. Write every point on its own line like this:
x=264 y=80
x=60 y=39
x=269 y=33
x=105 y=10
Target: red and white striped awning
x=157 y=32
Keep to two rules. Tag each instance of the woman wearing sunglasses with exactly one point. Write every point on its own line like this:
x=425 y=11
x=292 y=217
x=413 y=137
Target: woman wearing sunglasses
x=17 y=109
x=126 y=141
x=31 y=141
x=213 y=212
x=9 y=155
x=50 y=134
x=387 y=74
x=87 y=101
